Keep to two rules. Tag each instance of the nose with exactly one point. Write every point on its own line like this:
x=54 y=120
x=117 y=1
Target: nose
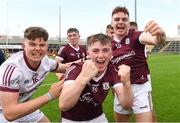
x=37 y=47
x=100 y=54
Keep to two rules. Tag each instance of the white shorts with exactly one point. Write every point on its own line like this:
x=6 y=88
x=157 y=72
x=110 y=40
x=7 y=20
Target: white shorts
x=33 y=117
x=102 y=118
x=142 y=100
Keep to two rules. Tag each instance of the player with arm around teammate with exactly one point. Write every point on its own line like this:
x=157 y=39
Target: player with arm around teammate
x=22 y=74
x=87 y=84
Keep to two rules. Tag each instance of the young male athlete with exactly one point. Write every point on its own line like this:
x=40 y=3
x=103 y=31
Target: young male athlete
x=87 y=84
x=129 y=48
x=109 y=30
x=21 y=75
x=71 y=52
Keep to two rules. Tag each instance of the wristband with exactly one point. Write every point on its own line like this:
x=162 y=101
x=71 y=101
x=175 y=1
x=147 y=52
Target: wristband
x=50 y=97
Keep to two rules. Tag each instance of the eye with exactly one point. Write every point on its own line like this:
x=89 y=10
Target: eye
x=116 y=19
x=124 y=19
x=32 y=44
x=95 y=51
x=106 y=50
x=42 y=45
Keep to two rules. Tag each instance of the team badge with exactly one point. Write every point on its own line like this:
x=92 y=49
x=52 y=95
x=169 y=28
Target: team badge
x=105 y=85
x=118 y=45
x=94 y=88
x=26 y=82
x=127 y=41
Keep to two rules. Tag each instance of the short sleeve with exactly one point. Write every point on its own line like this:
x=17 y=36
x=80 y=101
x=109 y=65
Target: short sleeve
x=53 y=64
x=10 y=77
x=73 y=72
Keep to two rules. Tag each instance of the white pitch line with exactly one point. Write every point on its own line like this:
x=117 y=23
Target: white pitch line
x=45 y=85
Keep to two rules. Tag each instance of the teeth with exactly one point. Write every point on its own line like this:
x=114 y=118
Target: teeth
x=100 y=61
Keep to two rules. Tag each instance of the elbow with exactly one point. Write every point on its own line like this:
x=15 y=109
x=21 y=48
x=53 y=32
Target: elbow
x=128 y=104
x=63 y=106
x=9 y=117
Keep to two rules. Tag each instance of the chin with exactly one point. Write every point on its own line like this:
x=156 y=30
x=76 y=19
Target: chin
x=37 y=59
x=101 y=70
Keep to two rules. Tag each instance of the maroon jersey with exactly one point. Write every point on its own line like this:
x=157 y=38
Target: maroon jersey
x=131 y=52
x=89 y=105
x=69 y=54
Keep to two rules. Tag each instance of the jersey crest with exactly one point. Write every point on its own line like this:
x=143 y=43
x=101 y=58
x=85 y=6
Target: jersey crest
x=105 y=85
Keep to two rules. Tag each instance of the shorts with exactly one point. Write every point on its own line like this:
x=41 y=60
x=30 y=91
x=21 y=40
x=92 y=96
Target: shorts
x=36 y=116
x=102 y=118
x=142 y=100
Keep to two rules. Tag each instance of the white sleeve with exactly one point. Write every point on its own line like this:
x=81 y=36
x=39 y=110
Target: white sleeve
x=53 y=64
x=10 y=78
x=49 y=64
x=117 y=85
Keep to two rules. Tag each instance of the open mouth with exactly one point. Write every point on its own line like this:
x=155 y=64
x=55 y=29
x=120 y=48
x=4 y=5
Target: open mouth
x=100 y=63
x=37 y=55
x=120 y=27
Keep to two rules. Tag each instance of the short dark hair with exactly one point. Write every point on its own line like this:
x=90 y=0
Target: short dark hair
x=120 y=9
x=70 y=30
x=32 y=33
x=132 y=23
x=109 y=26
x=100 y=37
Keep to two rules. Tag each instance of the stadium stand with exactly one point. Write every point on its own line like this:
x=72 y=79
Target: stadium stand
x=13 y=43
x=172 y=45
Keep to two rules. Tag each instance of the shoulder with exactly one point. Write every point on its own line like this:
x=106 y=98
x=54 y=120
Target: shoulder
x=66 y=48
x=10 y=73
x=16 y=59
x=73 y=71
x=135 y=34
x=49 y=64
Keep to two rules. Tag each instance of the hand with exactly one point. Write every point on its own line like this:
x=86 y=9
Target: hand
x=89 y=70
x=154 y=29
x=56 y=88
x=124 y=73
x=63 y=67
x=60 y=76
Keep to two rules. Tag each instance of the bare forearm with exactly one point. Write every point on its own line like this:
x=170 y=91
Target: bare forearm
x=16 y=111
x=70 y=95
x=128 y=97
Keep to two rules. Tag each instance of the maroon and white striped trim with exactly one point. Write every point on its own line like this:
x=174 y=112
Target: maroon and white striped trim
x=7 y=75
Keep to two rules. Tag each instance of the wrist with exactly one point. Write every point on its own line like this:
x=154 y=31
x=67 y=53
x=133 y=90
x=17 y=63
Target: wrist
x=127 y=84
x=50 y=97
x=161 y=38
x=83 y=79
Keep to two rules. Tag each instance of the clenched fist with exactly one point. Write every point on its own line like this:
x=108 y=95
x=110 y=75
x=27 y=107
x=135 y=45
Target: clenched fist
x=89 y=70
x=124 y=73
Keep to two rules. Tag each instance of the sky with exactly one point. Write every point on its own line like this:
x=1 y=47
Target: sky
x=88 y=16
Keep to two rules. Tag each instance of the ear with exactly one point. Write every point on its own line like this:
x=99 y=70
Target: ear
x=87 y=57
x=111 y=56
x=87 y=53
x=23 y=46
